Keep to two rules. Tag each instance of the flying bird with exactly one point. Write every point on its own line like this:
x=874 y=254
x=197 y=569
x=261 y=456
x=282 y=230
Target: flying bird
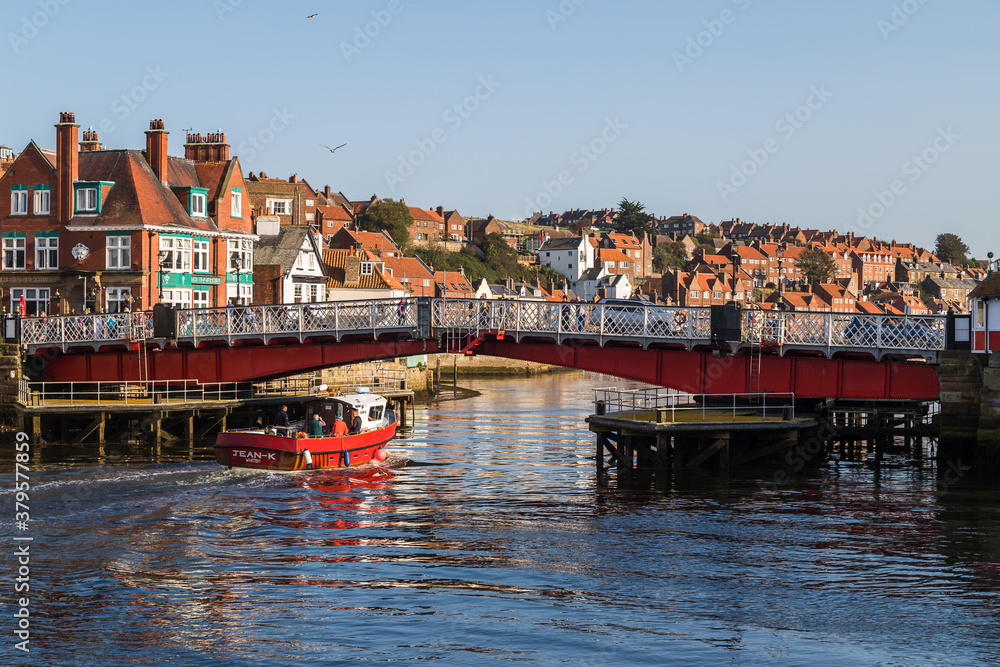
x=332 y=150
x=311 y=16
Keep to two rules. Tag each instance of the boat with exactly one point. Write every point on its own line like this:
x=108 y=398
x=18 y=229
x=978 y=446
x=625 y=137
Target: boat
x=289 y=448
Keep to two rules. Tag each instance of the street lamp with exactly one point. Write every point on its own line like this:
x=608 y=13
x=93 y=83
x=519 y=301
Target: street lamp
x=161 y=258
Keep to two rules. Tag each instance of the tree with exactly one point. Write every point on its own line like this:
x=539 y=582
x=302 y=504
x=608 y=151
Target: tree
x=390 y=216
x=669 y=255
x=498 y=253
x=950 y=248
x=817 y=266
x=632 y=217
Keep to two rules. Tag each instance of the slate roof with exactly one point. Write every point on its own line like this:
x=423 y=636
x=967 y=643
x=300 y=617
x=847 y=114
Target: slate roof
x=281 y=249
x=568 y=243
x=988 y=289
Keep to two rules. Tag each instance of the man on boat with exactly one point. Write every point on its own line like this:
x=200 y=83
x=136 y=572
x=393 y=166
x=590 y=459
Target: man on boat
x=355 y=421
x=281 y=416
x=339 y=427
x=316 y=425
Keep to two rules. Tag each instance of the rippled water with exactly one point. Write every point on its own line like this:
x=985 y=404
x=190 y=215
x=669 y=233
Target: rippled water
x=496 y=545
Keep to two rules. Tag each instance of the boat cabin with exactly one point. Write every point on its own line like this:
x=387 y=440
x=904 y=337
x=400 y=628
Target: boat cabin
x=984 y=304
x=370 y=407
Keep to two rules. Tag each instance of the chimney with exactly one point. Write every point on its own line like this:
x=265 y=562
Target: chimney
x=326 y=191
x=352 y=270
x=440 y=211
x=156 y=148
x=67 y=164
x=211 y=147
x=294 y=178
x=89 y=141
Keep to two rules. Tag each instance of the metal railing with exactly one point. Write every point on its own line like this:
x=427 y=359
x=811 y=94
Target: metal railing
x=645 y=322
x=661 y=405
x=167 y=392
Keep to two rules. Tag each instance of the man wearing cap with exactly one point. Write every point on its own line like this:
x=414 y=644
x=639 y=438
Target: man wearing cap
x=339 y=427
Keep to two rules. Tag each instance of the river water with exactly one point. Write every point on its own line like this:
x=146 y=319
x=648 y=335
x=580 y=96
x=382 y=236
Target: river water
x=496 y=545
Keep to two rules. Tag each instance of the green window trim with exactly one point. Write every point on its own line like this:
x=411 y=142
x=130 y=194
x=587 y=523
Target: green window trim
x=119 y=233
x=91 y=185
x=207 y=239
x=174 y=235
x=14 y=235
x=201 y=288
x=235 y=189
x=42 y=187
x=46 y=234
x=19 y=187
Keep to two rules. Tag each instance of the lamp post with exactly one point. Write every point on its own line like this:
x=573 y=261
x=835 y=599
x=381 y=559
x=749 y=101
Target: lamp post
x=161 y=258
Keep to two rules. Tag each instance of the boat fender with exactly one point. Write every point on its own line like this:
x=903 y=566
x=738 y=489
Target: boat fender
x=347 y=459
x=380 y=454
x=300 y=434
x=308 y=457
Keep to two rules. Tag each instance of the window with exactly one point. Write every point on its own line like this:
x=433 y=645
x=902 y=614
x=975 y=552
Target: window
x=694 y=294
x=198 y=204
x=310 y=202
x=47 y=252
x=13 y=252
x=200 y=298
x=199 y=257
x=279 y=206
x=119 y=252
x=236 y=203
x=36 y=299
x=86 y=200
x=314 y=293
x=178 y=298
x=427 y=282
x=42 y=202
x=312 y=262
x=240 y=255
x=297 y=297
x=118 y=298
x=367 y=268
x=19 y=202
x=177 y=257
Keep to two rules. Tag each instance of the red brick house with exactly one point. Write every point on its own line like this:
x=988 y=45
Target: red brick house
x=293 y=200
x=89 y=228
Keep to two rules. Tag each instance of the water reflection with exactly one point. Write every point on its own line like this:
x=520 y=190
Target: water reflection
x=505 y=548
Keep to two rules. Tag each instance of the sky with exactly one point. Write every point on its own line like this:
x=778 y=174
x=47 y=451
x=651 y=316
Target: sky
x=873 y=116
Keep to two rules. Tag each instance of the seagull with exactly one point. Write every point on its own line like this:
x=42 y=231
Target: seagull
x=332 y=150
x=311 y=16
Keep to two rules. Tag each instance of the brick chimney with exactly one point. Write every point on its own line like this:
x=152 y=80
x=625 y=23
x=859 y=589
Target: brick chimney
x=90 y=142
x=294 y=178
x=352 y=270
x=156 y=148
x=210 y=147
x=67 y=164
x=440 y=212
x=326 y=191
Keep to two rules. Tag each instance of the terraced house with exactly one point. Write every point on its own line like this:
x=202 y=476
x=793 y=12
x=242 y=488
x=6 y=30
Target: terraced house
x=86 y=227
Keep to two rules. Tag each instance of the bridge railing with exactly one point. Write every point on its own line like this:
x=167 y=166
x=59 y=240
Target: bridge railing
x=82 y=329
x=574 y=317
x=845 y=330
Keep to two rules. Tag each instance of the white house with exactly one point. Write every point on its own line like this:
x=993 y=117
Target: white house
x=569 y=256
x=288 y=263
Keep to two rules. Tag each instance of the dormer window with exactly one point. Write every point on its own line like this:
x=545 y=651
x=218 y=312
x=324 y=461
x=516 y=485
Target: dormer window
x=86 y=200
x=198 y=202
x=367 y=268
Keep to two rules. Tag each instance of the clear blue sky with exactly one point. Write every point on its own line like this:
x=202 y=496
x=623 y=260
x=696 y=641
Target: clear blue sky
x=666 y=119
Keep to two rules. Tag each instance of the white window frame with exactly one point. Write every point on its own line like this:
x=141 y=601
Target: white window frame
x=236 y=203
x=46 y=253
x=199 y=298
x=368 y=268
x=199 y=256
x=199 y=203
x=239 y=254
x=117 y=299
x=297 y=293
x=43 y=202
x=19 y=202
x=37 y=300
x=178 y=249
x=86 y=200
x=119 y=252
x=286 y=206
x=314 y=294
x=14 y=253
x=178 y=298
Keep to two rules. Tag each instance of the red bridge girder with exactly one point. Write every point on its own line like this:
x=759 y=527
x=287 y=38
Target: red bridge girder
x=700 y=372
x=696 y=371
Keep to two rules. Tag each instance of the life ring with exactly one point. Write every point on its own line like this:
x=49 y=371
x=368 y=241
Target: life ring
x=680 y=318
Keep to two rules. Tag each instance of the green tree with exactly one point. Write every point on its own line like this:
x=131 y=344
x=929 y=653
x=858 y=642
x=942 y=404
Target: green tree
x=632 y=217
x=669 y=255
x=705 y=237
x=817 y=266
x=390 y=216
x=950 y=248
x=498 y=253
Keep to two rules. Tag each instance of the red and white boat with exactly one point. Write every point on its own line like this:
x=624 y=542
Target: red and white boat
x=286 y=449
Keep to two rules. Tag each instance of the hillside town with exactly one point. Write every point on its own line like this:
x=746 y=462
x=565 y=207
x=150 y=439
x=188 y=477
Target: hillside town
x=93 y=229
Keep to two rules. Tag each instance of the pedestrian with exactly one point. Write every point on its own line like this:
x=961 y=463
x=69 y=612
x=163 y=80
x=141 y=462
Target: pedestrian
x=355 y=422
x=402 y=311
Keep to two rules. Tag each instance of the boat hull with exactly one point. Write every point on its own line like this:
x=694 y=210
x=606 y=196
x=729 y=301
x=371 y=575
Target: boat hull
x=260 y=451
